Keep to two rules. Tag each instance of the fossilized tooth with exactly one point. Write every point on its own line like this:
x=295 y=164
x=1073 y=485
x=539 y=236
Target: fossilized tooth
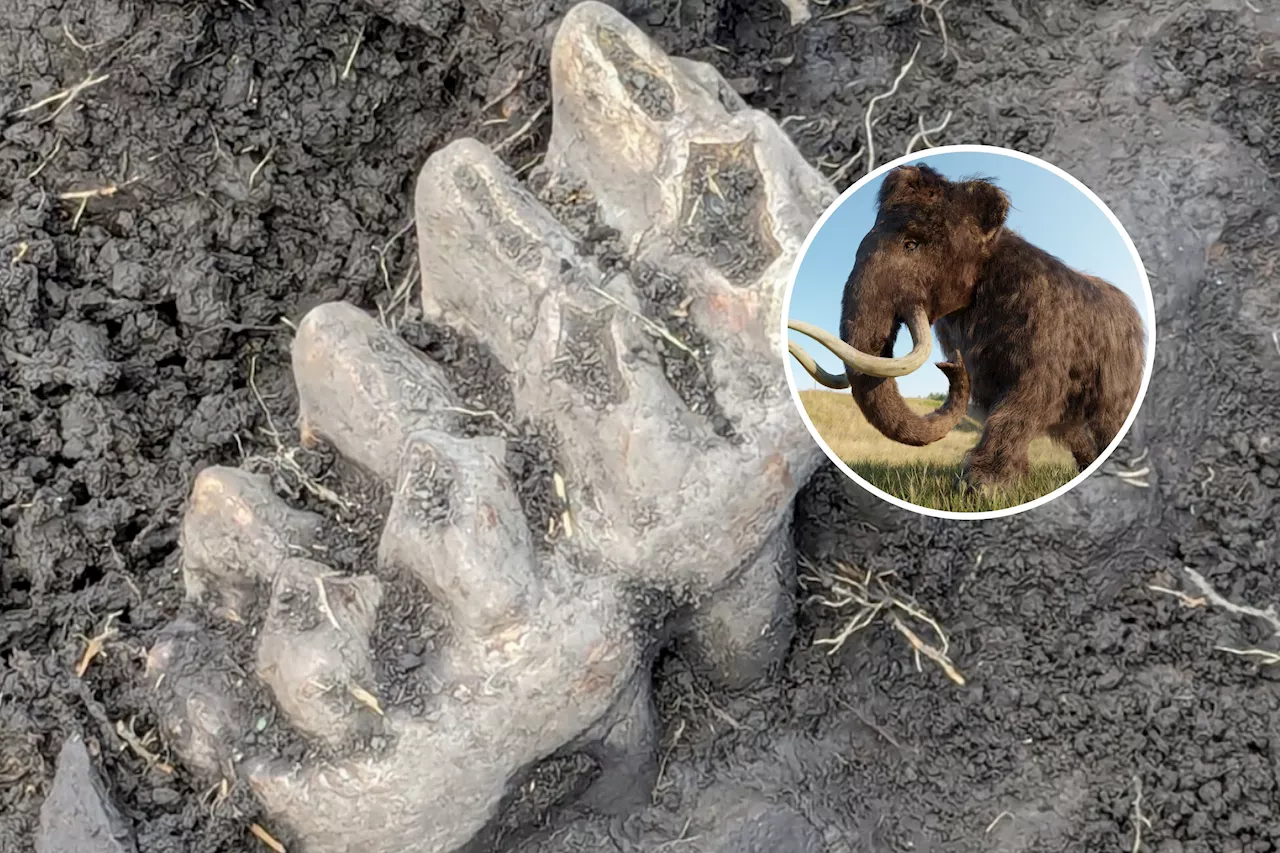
x=674 y=162
x=567 y=671
x=544 y=651
x=201 y=705
x=362 y=389
x=235 y=534
x=634 y=456
x=701 y=187
x=313 y=650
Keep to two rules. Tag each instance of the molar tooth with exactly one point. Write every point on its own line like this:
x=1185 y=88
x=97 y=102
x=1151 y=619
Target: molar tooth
x=314 y=650
x=456 y=523
x=235 y=533
x=361 y=388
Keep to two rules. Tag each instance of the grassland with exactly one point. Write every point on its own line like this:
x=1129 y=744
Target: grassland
x=926 y=476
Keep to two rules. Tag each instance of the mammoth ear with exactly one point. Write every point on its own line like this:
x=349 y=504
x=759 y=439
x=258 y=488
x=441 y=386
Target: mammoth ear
x=911 y=185
x=989 y=205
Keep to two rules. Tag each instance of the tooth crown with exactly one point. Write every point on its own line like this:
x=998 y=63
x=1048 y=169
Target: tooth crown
x=666 y=503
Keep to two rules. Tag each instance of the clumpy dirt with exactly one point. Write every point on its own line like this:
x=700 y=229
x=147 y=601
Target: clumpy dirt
x=664 y=301
x=725 y=207
x=228 y=165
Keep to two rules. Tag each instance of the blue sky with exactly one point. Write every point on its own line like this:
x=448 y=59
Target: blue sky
x=1046 y=210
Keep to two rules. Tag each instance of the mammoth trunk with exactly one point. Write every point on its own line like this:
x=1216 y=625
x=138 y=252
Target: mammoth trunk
x=881 y=402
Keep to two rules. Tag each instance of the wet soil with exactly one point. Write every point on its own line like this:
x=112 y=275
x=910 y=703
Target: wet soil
x=228 y=165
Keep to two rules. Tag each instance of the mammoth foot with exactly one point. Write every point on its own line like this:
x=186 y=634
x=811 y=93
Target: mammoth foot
x=393 y=708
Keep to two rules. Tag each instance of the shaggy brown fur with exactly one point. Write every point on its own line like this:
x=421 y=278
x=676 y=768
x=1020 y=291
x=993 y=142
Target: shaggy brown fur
x=1044 y=349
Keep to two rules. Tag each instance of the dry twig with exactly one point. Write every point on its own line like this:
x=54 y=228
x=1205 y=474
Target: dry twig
x=364 y=697
x=923 y=133
x=873 y=597
x=355 y=48
x=866 y=118
x=1139 y=819
x=1208 y=595
x=94 y=645
x=266 y=838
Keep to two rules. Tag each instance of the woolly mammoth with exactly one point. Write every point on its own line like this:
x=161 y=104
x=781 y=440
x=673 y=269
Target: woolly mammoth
x=1037 y=348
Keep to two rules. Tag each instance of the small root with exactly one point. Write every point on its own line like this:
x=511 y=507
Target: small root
x=141 y=746
x=483 y=413
x=1264 y=657
x=831 y=16
x=873 y=597
x=44 y=161
x=997 y=820
x=94 y=645
x=923 y=133
x=522 y=130
x=1268 y=615
x=866 y=118
x=649 y=324
x=936 y=9
x=262 y=164
x=284 y=459
x=266 y=838
x=1139 y=819
x=1208 y=595
x=839 y=174
x=63 y=98
x=1187 y=600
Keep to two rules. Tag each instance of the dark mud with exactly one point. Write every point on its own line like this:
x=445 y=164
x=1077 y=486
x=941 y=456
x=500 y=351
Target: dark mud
x=243 y=175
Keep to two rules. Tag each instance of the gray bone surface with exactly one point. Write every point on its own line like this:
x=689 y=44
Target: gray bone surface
x=77 y=814
x=549 y=634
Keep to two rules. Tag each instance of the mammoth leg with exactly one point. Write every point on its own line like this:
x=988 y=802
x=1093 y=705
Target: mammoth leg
x=1107 y=426
x=1078 y=438
x=1001 y=454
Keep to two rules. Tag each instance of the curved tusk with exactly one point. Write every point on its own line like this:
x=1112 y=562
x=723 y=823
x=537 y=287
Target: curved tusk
x=856 y=360
x=831 y=380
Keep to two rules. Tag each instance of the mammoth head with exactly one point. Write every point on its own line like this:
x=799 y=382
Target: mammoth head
x=920 y=261
x=930 y=237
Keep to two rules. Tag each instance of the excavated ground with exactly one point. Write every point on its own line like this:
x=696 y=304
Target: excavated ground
x=259 y=168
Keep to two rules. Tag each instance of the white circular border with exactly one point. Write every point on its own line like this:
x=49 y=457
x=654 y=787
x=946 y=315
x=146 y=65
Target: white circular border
x=1147 y=369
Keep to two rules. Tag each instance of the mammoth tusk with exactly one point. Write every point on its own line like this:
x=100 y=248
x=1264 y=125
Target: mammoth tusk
x=831 y=380
x=860 y=362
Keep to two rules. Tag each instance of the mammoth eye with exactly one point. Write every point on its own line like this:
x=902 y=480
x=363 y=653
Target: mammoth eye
x=910 y=245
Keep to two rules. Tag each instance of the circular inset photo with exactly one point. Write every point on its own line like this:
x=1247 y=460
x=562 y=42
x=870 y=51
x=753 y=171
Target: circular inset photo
x=1030 y=332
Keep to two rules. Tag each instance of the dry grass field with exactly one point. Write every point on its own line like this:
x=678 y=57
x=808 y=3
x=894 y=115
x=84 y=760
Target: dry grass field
x=926 y=476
